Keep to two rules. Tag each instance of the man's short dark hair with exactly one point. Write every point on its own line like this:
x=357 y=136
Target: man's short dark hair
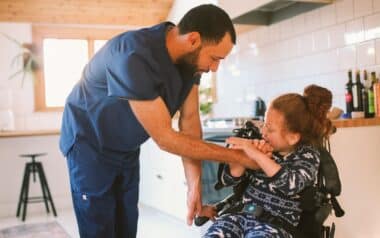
x=210 y=21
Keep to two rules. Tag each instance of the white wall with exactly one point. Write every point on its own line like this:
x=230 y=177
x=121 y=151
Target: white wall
x=12 y=170
x=315 y=47
x=20 y=97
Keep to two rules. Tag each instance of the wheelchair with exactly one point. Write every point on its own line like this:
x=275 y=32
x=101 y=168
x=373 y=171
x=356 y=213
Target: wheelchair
x=317 y=201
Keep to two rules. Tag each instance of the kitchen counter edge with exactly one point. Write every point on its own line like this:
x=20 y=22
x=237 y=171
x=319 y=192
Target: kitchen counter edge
x=359 y=122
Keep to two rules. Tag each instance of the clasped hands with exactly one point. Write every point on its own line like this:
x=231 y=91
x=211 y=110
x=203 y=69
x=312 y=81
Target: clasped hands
x=251 y=149
x=249 y=146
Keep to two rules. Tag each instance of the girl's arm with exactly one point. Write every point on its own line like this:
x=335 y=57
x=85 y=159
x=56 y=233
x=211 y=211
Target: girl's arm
x=236 y=170
x=259 y=151
x=263 y=153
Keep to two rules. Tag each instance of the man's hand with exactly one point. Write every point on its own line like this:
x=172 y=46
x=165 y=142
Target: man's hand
x=190 y=125
x=208 y=211
x=194 y=203
x=250 y=147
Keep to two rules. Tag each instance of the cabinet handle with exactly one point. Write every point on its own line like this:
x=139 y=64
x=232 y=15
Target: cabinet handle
x=159 y=176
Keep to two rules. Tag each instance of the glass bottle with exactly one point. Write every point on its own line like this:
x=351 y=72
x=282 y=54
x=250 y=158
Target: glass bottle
x=357 y=93
x=348 y=95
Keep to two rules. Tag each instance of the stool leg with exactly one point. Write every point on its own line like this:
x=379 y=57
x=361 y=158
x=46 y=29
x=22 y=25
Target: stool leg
x=39 y=172
x=47 y=189
x=25 y=200
x=23 y=188
x=34 y=169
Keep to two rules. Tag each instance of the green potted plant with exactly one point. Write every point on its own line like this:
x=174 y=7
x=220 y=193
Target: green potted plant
x=28 y=58
x=206 y=103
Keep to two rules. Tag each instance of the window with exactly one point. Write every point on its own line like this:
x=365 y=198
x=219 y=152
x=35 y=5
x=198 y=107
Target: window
x=207 y=95
x=63 y=54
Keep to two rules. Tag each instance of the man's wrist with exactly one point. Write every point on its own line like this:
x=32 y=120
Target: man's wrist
x=193 y=183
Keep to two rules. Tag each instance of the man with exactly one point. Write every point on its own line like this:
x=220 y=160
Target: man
x=128 y=92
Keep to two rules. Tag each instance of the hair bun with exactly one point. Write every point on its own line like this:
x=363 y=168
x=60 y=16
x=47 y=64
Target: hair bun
x=319 y=102
x=318 y=99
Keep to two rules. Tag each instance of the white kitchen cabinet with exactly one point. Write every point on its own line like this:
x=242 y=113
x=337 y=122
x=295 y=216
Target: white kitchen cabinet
x=163 y=184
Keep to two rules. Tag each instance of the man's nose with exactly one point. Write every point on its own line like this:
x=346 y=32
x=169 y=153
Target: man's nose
x=214 y=66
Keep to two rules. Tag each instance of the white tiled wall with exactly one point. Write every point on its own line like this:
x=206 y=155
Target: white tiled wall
x=20 y=94
x=316 y=47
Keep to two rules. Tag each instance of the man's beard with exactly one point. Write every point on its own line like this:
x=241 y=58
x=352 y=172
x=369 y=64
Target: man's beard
x=187 y=64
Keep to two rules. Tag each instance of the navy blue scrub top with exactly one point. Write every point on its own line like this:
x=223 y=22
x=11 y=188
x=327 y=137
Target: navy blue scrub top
x=133 y=65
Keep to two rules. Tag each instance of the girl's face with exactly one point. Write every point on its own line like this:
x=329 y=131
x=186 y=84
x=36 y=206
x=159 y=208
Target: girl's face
x=276 y=133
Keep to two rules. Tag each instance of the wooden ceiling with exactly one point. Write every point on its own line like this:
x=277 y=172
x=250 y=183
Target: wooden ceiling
x=109 y=12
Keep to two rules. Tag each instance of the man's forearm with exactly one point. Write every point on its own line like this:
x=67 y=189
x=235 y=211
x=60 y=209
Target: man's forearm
x=192 y=170
x=190 y=147
x=191 y=167
x=160 y=129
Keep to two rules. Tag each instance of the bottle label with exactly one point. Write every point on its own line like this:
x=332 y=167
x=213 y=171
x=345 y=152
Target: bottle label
x=348 y=97
x=371 y=102
x=355 y=97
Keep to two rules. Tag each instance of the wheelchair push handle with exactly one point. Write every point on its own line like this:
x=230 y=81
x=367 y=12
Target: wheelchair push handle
x=339 y=212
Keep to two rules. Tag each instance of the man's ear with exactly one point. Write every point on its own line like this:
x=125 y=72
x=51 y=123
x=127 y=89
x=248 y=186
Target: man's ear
x=194 y=40
x=293 y=138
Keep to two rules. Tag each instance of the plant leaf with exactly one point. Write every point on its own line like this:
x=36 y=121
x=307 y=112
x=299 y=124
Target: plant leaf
x=11 y=39
x=14 y=59
x=15 y=74
x=22 y=79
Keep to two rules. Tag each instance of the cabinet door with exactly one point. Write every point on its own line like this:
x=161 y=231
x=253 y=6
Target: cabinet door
x=162 y=183
x=146 y=173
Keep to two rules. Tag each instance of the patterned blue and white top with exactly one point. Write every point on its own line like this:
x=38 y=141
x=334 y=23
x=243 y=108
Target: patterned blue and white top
x=279 y=194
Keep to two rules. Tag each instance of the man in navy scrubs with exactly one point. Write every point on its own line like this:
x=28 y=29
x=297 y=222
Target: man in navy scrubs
x=129 y=91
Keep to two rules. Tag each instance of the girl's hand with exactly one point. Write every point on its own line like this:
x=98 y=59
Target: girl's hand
x=259 y=151
x=250 y=147
x=263 y=146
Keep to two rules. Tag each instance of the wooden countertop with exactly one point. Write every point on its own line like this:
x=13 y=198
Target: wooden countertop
x=359 y=122
x=4 y=134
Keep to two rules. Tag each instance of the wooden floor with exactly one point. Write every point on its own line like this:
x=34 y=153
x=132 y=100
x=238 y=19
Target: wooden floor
x=151 y=223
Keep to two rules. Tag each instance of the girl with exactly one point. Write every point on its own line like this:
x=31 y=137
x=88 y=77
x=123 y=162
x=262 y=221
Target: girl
x=295 y=126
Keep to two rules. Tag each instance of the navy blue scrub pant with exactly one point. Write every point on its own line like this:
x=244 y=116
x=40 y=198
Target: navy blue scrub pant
x=104 y=196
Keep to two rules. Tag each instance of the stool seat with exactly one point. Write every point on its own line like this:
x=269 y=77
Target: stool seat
x=33 y=155
x=34 y=168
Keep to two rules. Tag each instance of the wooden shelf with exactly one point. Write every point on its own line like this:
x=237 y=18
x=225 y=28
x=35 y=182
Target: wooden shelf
x=358 y=122
x=4 y=134
x=338 y=123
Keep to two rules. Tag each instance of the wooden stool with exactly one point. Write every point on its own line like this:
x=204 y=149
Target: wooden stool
x=33 y=168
